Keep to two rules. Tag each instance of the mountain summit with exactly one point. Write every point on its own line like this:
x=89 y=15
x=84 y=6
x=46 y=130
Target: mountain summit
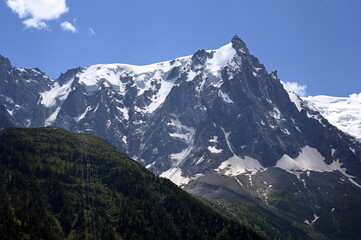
x=216 y=113
x=237 y=43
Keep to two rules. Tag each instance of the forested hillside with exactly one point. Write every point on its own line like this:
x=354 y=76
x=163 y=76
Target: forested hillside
x=60 y=185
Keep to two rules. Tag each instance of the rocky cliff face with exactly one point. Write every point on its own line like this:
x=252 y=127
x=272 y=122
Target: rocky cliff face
x=19 y=95
x=215 y=112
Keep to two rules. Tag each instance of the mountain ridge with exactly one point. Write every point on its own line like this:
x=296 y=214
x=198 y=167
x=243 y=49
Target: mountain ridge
x=127 y=96
x=216 y=113
x=342 y=112
x=130 y=95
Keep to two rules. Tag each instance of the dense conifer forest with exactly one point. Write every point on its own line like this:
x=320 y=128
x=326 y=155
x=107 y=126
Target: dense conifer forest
x=60 y=185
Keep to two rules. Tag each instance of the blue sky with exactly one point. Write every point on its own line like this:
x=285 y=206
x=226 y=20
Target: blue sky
x=316 y=43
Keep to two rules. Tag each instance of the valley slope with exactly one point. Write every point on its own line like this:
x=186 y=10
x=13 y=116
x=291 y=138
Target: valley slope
x=60 y=185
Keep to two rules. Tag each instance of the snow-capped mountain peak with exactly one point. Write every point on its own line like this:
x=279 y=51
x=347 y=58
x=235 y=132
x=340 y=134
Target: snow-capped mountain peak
x=220 y=91
x=217 y=117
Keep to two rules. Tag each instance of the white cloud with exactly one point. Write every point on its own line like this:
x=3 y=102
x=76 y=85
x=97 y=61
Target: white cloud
x=300 y=90
x=35 y=23
x=91 y=32
x=36 y=12
x=67 y=26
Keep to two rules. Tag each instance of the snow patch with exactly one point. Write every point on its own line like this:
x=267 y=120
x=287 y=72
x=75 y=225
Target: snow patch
x=296 y=100
x=95 y=75
x=57 y=92
x=316 y=116
x=354 y=182
x=276 y=113
x=181 y=155
x=214 y=139
x=250 y=179
x=236 y=165
x=307 y=222
x=342 y=112
x=182 y=131
x=159 y=98
x=185 y=133
x=333 y=151
x=239 y=182
x=52 y=117
x=213 y=149
x=224 y=97
x=221 y=57
x=150 y=165
x=200 y=160
x=191 y=75
x=145 y=79
x=11 y=112
x=124 y=111
x=175 y=175
x=311 y=160
x=285 y=130
x=81 y=116
x=315 y=218
x=308 y=159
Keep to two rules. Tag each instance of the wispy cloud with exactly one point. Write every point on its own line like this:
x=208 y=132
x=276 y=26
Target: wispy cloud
x=67 y=26
x=35 y=23
x=36 y=12
x=300 y=90
x=91 y=32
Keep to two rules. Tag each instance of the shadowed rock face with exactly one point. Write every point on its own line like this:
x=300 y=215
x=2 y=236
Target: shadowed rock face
x=216 y=112
x=186 y=116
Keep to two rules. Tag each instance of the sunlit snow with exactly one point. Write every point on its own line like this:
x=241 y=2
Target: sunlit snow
x=221 y=57
x=175 y=175
x=236 y=165
x=48 y=98
x=311 y=160
x=296 y=100
x=213 y=149
x=342 y=112
x=224 y=96
x=52 y=117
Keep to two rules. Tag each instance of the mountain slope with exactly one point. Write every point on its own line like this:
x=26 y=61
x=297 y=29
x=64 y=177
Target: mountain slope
x=216 y=115
x=309 y=205
x=60 y=185
x=191 y=116
x=342 y=112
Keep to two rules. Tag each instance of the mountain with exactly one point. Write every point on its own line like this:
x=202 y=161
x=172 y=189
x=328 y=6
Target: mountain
x=342 y=112
x=216 y=123
x=19 y=94
x=60 y=185
x=179 y=118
